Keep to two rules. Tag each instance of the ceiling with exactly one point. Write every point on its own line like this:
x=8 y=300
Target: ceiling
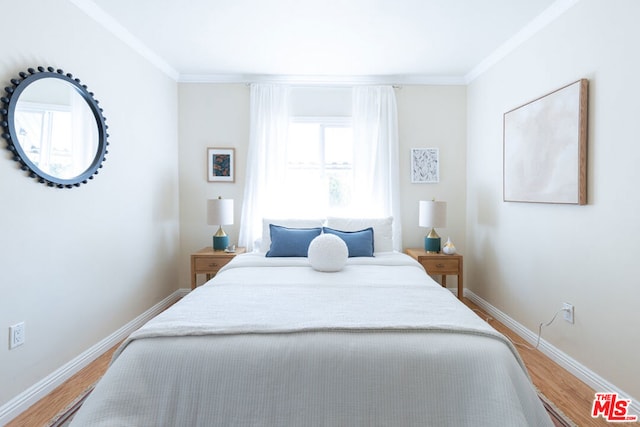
x=425 y=40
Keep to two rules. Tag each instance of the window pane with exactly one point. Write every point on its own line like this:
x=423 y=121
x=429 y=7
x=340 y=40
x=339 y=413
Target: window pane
x=307 y=194
x=338 y=147
x=339 y=183
x=320 y=176
x=304 y=144
x=29 y=126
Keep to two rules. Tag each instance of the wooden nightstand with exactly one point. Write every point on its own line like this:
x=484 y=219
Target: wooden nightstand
x=440 y=264
x=209 y=262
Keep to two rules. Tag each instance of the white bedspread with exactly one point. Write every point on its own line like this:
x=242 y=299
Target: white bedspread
x=273 y=342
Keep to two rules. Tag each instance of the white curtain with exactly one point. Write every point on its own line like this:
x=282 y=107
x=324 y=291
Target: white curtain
x=266 y=159
x=376 y=163
x=84 y=135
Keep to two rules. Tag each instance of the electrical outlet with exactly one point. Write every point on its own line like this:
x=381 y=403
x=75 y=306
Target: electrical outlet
x=567 y=312
x=16 y=335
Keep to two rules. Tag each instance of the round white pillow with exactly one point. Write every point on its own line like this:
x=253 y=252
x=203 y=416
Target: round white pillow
x=328 y=253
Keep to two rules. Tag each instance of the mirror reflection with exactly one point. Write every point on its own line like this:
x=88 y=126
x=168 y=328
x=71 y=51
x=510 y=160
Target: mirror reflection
x=56 y=128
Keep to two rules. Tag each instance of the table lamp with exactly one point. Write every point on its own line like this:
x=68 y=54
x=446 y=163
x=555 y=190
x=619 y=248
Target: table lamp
x=432 y=214
x=220 y=212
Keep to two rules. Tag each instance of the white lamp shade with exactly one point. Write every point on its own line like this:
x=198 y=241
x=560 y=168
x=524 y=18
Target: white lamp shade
x=432 y=214
x=220 y=211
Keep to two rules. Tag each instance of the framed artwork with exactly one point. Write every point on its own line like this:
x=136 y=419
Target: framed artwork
x=425 y=166
x=221 y=164
x=545 y=148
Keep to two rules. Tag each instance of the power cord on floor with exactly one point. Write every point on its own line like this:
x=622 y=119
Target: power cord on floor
x=540 y=326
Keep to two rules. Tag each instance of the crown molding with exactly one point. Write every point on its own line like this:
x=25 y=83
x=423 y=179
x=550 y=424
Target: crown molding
x=549 y=15
x=323 y=80
x=114 y=27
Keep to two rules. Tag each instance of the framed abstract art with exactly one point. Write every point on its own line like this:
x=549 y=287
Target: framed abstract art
x=221 y=164
x=425 y=165
x=545 y=148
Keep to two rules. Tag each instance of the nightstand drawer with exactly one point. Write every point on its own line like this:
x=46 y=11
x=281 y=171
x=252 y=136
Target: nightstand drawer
x=208 y=264
x=441 y=265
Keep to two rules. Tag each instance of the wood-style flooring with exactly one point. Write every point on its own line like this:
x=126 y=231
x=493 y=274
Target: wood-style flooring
x=570 y=395
x=46 y=409
x=573 y=397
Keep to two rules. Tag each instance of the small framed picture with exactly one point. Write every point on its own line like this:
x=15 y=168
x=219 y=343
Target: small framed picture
x=221 y=164
x=425 y=166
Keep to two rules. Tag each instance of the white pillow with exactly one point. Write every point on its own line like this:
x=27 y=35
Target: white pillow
x=328 y=253
x=382 y=229
x=289 y=223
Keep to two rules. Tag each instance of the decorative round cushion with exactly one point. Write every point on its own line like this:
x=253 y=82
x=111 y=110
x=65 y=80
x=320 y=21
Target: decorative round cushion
x=328 y=253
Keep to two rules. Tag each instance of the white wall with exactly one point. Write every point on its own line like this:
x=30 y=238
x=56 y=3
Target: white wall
x=210 y=115
x=218 y=115
x=434 y=117
x=526 y=259
x=77 y=264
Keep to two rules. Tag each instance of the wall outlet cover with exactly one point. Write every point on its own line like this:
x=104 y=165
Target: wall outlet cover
x=16 y=335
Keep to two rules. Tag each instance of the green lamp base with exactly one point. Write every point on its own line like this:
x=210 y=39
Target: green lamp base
x=220 y=243
x=432 y=245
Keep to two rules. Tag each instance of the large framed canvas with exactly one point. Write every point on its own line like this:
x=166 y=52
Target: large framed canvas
x=221 y=164
x=425 y=166
x=545 y=148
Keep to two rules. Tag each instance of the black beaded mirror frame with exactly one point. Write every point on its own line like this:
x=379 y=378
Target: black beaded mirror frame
x=7 y=112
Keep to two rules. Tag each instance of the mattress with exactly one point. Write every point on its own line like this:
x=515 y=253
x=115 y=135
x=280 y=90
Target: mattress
x=272 y=342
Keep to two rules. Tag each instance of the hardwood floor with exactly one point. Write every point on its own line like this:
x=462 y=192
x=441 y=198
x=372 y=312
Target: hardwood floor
x=43 y=412
x=573 y=397
x=570 y=395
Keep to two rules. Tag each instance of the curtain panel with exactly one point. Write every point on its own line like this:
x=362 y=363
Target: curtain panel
x=376 y=162
x=266 y=159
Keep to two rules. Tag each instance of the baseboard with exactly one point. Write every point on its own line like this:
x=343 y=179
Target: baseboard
x=33 y=394
x=580 y=371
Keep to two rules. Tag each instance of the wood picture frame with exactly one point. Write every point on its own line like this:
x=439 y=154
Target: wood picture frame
x=545 y=148
x=425 y=165
x=221 y=164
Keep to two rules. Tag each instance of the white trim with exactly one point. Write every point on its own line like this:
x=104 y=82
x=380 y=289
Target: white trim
x=114 y=27
x=33 y=394
x=549 y=15
x=323 y=80
x=580 y=371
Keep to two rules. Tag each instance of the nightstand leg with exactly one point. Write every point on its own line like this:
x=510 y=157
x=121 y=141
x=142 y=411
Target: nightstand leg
x=444 y=281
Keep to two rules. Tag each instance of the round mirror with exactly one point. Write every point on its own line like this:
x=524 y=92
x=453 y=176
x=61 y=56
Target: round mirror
x=54 y=127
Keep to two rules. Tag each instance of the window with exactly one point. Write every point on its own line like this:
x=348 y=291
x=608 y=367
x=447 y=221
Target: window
x=45 y=136
x=320 y=165
x=317 y=152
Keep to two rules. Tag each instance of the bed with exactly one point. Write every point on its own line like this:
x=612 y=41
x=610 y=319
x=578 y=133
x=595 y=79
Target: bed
x=271 y=341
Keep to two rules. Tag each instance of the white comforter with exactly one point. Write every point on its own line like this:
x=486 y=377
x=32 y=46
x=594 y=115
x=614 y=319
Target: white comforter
x=273 y=342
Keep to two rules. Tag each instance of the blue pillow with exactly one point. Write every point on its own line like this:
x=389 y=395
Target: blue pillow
x=359 y=243
x=291 y=241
